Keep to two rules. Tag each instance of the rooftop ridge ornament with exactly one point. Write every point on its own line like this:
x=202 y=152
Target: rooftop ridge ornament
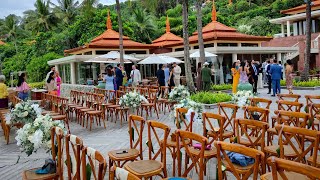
x=214 y=12
x=109 y=23
x=167 y=25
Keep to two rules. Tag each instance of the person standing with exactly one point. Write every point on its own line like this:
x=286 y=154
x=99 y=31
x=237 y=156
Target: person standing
x=253 y=76
x=53 y=69
x=51 y=84
x=176 y=74
x=199 y=79
x=206 y=77
x=124 y=73
x=166 y=74
x=22 y=87
x=236 y=75
x=171 y=80
x=161 y=79
x=268 y=66
x=275 y=71
x=264 y=76
x=135 y=76
x=289 y=76
x=119 y=77
x=3 y=92
x=59 y=82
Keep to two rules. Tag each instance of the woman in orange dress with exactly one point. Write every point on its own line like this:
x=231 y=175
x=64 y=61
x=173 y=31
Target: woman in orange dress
x=236 y=76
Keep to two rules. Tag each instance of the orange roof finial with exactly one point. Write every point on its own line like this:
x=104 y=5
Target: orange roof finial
x=167 y=25
x=109 y=24
x=214 y=12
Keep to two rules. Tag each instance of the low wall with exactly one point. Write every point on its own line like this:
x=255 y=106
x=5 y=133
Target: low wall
x=66 y=88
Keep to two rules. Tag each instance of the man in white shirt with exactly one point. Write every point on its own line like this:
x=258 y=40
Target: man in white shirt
x=176 y=74
x=53 y=69
x=135 y=76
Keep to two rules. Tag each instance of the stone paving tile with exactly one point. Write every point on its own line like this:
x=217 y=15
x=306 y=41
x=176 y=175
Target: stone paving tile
x=104 y=140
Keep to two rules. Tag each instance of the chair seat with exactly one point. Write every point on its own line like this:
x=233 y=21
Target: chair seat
x=144 y=168
x=288 y=151
x=241 y=169
x=131 y=155
x=94 y=112
x=290 y=175
x=317 y=162
x=87 y=109
x=207 y=153
x=245 y=141
x=225 y=133
x=59 y=117
x=31 y=175
x=113 y=106
x=272 y=130
x=171 y=143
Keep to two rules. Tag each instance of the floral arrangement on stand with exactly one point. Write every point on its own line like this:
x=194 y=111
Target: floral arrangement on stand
x=132 y=100
x=179 y=93
x=242 y=98
x=37 y=134
x=24 y=112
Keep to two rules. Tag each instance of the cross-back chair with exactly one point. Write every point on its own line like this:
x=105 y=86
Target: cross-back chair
x=96 y=161
x=223 y=109
x=256 y=113
x=117 y=173
x=260 y=102
x=152 y=105
x=57 y=154
x=286 y=106
x=314 y=110
x=136 y=126
x=162 y=101
x=289 y=97
x=59 y=104
x=97 y=113
x=152 y=166
x=74 y=146
x=240 y=172
x=310 y=99
x=285 y=169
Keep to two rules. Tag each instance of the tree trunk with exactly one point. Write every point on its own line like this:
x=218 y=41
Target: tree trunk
x=199 y=27
x=187 y=63
x=120 y=33
x=305 y=75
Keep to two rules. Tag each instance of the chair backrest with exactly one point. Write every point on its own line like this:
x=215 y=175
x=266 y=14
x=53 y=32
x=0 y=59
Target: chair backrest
x=117 y=173
x=122 y=88
x=136 y=126
x=223 y=109
x=165 y=90
x=74 y=147
x=62 y=105
x=294 y=138
x=81 y=97
x=96 y=161
x=73 y=96
x=143 y=91
x=314 y=109
x=153 y=95
x=197 y=160
x=289 y=106
x=111 y=96
x=252 y=132
x=213 y=126
x=310 y=99
x=256 y=113
x=258 y=156
x=181 y=121
x=297 y=119
x=57 y=137
x=280 y=166
x=260 y=102
x=289 y=97
x=153 y=134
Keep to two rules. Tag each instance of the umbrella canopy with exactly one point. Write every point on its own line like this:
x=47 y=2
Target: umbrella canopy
x=112 y=57
x=160 y=59
x=206 y=54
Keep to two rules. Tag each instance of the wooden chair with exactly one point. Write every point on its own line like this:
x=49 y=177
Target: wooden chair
x=97 y=113
x=199 y=157
x=136 y=126
x=95 y=158
x=223 y=109
x=152 y=167
x=152 y=105
x=59 y=104
x=162 y=101
x=4 y=125
x=74 y=146
x=311 y=99
x=256 y=113
x=314 y=110
x=56 y=136
x=286 y=106
x=289 y=97
x=285 y=169
x=117 y=173
x=238 y=171
x=260 y=102
x=214 y=127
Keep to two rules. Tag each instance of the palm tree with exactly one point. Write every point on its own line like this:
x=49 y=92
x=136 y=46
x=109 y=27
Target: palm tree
x=9 y=27
x=305 y=74
x=88 y=7
x=120 y=32
x=187 y=63
x=199 y=27
x=66 y=10
x=144 y=25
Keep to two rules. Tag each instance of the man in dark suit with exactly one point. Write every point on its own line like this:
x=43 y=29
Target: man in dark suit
x=275 y=71
x=268 y=67
x=253 y=76
x=119 y=77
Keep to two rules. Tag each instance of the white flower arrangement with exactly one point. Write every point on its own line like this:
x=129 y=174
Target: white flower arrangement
x=37 y=135
x=191 y=105
x=242 y=98
x=132 y=100
x=24 y=112
x=179 y=93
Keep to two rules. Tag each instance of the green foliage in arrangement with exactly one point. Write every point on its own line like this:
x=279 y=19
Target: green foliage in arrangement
x=311 y=83
x=220 y=87
x=210 y=98
x=38 y=85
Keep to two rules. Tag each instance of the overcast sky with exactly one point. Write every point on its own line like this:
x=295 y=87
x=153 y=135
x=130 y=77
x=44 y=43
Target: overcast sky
x=19 y=6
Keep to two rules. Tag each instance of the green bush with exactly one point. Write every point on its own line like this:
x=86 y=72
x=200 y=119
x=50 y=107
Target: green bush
x=210 y=98
x=311 y=83
x=38 y=85
x=220 y=87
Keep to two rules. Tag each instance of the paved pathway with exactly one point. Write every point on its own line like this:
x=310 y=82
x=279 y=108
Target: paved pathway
x=12 y=162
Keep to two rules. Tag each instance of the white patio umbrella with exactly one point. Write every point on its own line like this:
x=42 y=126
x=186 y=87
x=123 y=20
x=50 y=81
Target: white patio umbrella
x=206 y=54
x=112 y=57
x=160 y=59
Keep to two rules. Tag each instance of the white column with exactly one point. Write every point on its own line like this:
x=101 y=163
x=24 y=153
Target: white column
x=234 y=57
x=239 y=44
x=73 y=72
x=300 y=28
x=288 y=29
x=295 y=29
x=64 y=74
x=56 y=67
x=94 y=71
x=220 y=59
x=282 y=30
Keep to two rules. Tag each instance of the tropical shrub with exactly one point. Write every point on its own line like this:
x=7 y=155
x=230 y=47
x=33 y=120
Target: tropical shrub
x=210 y=98
x=311 y=83
x=220 y=87
x=38 y=85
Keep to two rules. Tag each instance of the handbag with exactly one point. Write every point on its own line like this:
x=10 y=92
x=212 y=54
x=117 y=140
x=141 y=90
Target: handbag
x=49 y=167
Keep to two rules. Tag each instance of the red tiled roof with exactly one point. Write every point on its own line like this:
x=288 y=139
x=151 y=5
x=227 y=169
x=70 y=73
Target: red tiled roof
x=301 y=8
x=2 y=43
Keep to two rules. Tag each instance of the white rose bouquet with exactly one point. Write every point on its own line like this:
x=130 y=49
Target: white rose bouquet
x=242 y=98
x=132 y=100
x=24 y=112
x=179 y=93
x=37 y=135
